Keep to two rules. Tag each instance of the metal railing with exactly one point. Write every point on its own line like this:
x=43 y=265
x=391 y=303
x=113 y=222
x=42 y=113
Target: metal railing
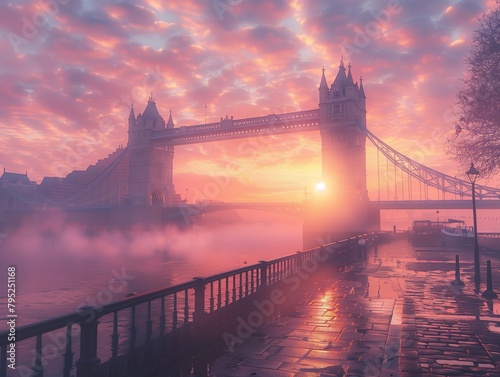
x=150 y=328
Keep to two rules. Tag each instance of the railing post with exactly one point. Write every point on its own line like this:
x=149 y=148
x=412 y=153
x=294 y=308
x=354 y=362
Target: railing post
x=240 y=286
x=149 y=324
x=38 y=365
x=68 y=354
x=133 y=328
x=86 y=364
x=199 y=311
x=263 y=274
x=3 y=361
x=162 y=316
x=115 y=336
x=234 y=289
x=186 y=307
x=174 y=313
x=114 y=363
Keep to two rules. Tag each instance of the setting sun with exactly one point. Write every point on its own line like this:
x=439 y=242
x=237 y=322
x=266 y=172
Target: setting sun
x=320 y=186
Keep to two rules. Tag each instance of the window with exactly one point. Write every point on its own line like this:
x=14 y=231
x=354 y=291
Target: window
x=336 y=94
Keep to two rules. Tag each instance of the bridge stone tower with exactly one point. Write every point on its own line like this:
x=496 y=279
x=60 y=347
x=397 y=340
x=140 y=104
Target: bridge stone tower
x=343 y=206
x=150 y=180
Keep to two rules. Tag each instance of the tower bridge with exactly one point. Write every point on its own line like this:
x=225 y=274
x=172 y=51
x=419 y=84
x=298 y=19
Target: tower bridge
x=230 y=129
x=141 y=174
x=340 y=118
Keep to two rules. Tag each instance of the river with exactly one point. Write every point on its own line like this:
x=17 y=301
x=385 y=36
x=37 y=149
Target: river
x=58 y=270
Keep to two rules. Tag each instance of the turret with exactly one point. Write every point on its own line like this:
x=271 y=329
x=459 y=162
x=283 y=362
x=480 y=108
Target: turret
x=323 y=88
x=131 y=118
x=350 y=87
x=151 y=118
x=362 y=100
x=170 y=122
x=361 y=89
x=349 y=81
x=338 y=87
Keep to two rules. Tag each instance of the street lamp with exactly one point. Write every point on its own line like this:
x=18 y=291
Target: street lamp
x=437 y=216
x=472 y=173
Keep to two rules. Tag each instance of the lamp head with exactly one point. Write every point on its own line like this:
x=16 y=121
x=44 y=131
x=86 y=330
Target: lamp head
x=472 y=173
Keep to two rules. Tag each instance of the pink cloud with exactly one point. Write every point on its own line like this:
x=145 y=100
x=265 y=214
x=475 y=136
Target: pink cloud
x=90 y=62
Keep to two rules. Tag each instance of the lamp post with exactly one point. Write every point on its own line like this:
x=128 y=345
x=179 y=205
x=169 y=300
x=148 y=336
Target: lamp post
x=472 y=173
x=437 y=217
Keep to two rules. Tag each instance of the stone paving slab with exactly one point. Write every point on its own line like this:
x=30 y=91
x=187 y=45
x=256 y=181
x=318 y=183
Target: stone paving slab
x=393 y=314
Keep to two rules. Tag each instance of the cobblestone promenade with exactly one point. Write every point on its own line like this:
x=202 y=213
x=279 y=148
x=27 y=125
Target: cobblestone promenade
x=394 y=314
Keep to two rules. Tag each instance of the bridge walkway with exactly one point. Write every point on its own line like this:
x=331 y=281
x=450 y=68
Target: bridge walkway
x=393 y=314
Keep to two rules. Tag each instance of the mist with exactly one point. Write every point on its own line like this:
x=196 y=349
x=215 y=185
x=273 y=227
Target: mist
x=60 y=265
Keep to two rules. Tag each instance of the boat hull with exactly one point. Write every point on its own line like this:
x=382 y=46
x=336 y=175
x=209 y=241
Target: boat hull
x=456 y=240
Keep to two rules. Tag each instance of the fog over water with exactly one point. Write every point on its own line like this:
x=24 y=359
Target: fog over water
x=61 y=267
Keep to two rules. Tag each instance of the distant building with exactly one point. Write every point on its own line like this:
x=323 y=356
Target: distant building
x=17 y=191
x=15 y=180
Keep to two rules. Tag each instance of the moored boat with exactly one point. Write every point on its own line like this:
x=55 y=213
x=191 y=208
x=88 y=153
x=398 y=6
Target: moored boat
x=459 y=235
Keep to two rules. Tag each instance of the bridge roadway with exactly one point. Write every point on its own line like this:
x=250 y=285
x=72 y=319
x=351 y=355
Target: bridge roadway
x=299 y=208
x=435 y=204
x=207 y=207
x=230 y=129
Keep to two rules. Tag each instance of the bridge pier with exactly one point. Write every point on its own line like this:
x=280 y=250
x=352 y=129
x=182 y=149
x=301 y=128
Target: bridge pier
x=330 y=221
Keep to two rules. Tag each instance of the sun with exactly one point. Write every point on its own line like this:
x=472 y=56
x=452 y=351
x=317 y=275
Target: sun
x=320 y=186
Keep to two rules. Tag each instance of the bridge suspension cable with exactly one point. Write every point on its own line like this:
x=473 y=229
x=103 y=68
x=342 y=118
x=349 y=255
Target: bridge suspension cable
x=78 y=198
x=428 y=176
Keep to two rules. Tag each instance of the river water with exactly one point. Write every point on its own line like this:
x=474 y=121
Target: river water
x=59 y=270
x=60 y=267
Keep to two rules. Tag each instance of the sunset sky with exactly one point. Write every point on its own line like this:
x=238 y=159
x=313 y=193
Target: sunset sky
x=70 y=73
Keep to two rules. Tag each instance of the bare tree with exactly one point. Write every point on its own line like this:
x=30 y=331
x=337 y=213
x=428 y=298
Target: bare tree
x=477 y=137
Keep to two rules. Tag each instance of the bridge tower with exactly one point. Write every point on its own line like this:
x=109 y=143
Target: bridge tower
x=151 y=162
x=342 y=114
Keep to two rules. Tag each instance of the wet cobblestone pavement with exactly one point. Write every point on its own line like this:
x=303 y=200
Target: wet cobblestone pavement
x=395 y=313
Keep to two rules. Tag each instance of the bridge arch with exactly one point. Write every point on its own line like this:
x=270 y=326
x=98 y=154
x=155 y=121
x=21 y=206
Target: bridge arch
x=157 y=198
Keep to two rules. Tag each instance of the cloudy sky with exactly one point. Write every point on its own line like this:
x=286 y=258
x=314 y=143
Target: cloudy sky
x=70 y=70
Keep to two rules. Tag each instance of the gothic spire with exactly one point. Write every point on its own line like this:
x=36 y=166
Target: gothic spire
x=132 y=114
x=349 y=81
x=361 y=90
x=170 y=122
x=340 y=79
x=323 y=83
x=323 y=88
